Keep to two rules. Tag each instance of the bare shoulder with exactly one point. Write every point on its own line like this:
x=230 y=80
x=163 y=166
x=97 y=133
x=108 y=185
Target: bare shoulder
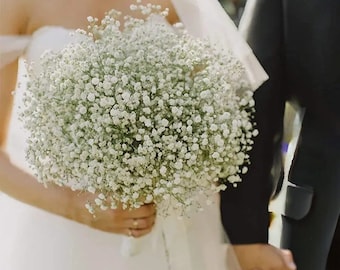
x=25 y=16
x=14 y=15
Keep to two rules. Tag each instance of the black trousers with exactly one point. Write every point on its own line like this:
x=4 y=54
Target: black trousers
x=313 y=205
x=333 y=262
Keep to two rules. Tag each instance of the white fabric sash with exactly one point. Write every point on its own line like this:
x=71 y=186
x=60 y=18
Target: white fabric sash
x=12 y=47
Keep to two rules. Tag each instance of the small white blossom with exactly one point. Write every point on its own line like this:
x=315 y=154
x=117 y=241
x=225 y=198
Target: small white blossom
x=91 y=97
x=163 y=170
x=95 y=81
x=82 y=110
x=126 y=96
x=91 y=189
x=164 y=122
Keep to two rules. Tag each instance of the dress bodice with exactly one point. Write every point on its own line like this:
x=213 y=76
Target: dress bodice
x=32 y=47
x=29 y=48
x=203 y=19
x=47 y=38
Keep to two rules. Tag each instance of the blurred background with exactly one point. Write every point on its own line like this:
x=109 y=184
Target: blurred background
x=234 y=8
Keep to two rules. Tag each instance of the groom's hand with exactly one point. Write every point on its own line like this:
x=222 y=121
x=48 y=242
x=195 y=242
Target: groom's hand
x=263 y=257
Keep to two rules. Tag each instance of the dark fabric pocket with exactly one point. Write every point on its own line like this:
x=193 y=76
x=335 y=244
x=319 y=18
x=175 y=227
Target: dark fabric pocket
x=298 y=202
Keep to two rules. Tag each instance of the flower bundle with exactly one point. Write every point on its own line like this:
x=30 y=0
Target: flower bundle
x=139 y=112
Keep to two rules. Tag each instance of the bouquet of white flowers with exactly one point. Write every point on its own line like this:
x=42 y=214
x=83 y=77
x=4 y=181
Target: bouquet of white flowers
x=138 y=113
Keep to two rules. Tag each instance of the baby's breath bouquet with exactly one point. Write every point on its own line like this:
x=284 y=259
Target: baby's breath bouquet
x=139 y=112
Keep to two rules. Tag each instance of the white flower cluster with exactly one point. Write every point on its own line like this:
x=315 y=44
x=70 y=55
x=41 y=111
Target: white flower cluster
x=144 y=114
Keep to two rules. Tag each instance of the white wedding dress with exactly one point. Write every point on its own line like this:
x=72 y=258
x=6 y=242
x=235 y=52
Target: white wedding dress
x=32 y=239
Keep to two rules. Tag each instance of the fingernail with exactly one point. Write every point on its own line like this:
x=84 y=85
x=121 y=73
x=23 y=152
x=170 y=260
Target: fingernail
x=292 y=266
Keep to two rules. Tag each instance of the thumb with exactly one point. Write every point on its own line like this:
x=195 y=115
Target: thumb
x=288 y=259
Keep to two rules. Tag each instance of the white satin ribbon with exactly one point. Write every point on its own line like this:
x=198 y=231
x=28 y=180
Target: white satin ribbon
x=176 y=243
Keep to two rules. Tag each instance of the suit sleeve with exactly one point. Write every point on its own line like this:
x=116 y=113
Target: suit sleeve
x=244 y=209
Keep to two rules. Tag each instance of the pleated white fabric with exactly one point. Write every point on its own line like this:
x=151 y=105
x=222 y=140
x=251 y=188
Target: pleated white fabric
x=207 y=19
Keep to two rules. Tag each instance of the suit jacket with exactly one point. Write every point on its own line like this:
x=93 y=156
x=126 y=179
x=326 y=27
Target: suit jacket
x=298 y=44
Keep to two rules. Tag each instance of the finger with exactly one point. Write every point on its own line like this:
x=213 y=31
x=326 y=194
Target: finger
x=288 y=258
x=138 y=233
x=114 y=224
x=141 y=223
x=144 y=211
x=129 y=232
x=117 y=220
x=136 y=223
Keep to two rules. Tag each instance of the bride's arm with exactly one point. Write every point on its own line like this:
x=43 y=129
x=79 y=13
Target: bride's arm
x=69 y=204
x=54 y=199
x=13 y=18
x=24 y=187
x=13 y=181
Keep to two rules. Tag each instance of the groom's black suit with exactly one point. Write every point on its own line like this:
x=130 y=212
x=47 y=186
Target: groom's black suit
x=298 y=43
